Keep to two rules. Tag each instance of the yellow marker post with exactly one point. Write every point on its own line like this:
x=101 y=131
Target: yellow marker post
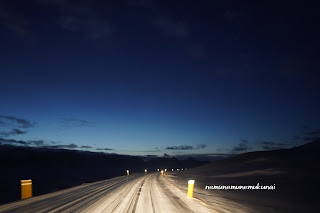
x=26 y=189
x=161 y=172
x=127 y=172
x=190 y=188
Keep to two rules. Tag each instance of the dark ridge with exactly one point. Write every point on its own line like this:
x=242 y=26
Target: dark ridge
x=294 y=171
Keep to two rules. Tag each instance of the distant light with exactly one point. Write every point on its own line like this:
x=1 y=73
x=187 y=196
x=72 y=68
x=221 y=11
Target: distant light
x=145 y=170
x=182 y=169
x=172 y=169
x=165 y=170
x=161 y=172
x=127 y=172
x=178 y=169
x=158 y=170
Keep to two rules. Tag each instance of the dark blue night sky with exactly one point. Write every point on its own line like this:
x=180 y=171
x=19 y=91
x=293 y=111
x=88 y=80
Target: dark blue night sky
x=144 y=77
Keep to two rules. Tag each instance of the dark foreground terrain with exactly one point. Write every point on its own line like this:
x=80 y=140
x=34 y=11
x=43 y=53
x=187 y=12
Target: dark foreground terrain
x=140 y=193
x=53 y=170
x=295 y=173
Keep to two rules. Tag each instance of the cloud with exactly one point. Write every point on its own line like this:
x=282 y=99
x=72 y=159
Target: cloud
x=201 y=146
x=309 y=134
x=170 y=27
x=16 y=122
x=80 y=17
x=104 y=149
x=242 y=146
x=21 y=142
x=37 y=142
x=74 y=16
x=12 y=21
x=46 y=144
x=76 y=122
x=156 y=150
x=17 y=132
x=12 y=132
x=313 y=132
x=206 y=156
x=305 y=127
x=41 y=144
x=69 y=146
x=269 y=145
x=309 y=139
x=86 y=147
x=92 y=27
x=182 y=147
x=12 y=141
x=186 y=147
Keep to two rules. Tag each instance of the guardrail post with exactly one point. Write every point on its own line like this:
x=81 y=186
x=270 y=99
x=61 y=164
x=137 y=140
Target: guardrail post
x=26 y=189
x=190 y=188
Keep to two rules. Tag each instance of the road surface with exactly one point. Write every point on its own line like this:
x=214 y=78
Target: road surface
x=134 y=193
